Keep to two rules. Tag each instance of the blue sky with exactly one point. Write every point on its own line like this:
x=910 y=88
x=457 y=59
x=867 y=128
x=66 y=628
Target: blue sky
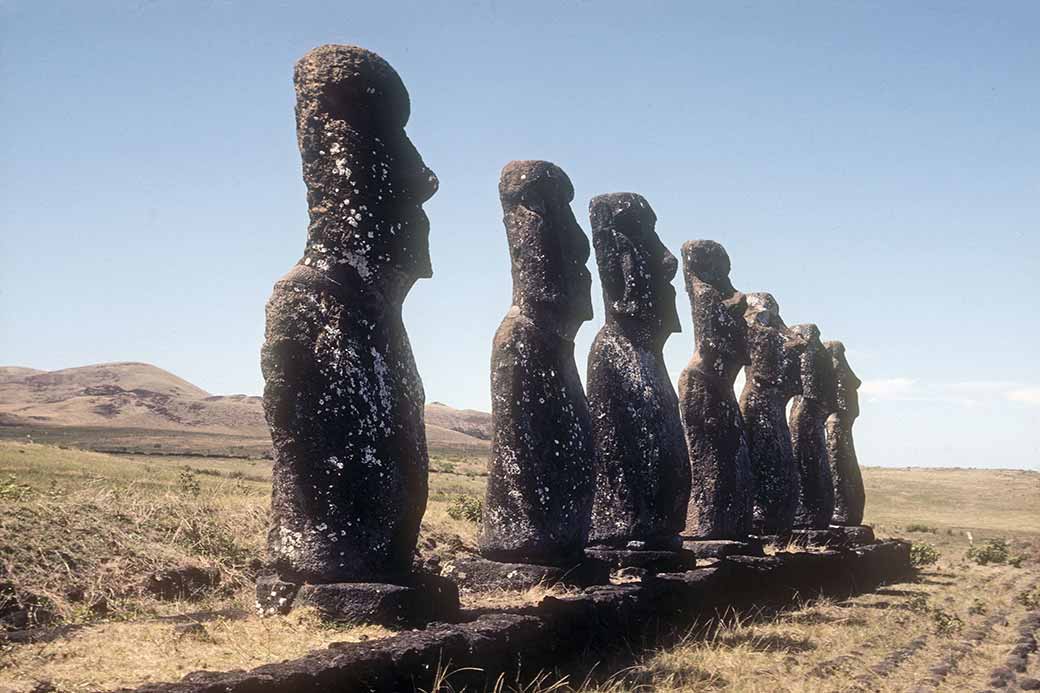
x=874 y=165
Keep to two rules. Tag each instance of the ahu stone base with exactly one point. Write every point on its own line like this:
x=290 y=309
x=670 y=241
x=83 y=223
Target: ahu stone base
x=411 y=600
x=650 y=561
x=835 y=536
x=574 y=630
x=477 y=573
x=720 y=548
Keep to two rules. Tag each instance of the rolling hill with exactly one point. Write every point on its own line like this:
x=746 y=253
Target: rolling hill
x=107 y=403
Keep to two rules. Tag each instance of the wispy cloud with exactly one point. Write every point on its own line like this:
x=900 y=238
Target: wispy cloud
x=1029 y=395
x=966 y=393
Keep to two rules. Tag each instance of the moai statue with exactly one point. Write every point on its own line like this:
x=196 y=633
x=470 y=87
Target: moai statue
x=773 y=378
x=719 y=509
x=642 y=472
x=343 y=398
x=539 y=495
x=849 y=496
x=808 y=417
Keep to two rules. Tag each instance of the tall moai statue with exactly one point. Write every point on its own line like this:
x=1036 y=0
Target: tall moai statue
x=773 y=378
x=539 y=495
x=721 y=493
x=849 y=495
x=343 y=398
x=807 y=421
x=642 y=466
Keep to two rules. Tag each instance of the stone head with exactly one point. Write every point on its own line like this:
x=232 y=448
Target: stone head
x=547 y=248
x=708 y=262
x=778 y=350
x=847 y=399
x=635 y=268
x=718 y=309
x=366 y=182
x=817 y=371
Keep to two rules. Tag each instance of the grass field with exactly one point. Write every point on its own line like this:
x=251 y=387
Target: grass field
x=85 y=532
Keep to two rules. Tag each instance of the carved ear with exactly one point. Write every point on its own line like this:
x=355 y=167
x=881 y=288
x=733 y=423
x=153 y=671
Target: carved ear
x=629 y=266
x=605 y=243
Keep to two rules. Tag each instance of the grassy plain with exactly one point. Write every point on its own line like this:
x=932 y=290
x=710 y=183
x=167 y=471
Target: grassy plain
x=85 y=531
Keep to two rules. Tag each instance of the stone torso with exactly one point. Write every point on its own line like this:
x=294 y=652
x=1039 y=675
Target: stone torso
x=642 y=462
x=809 y=445
x=763 y=403
x=540 y=487
x=344 y=403
x=720 y=499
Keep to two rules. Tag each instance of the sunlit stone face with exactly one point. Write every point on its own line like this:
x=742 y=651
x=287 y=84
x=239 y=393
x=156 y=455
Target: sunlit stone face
x=636 y=269
x=548 y=249
x=366 y=182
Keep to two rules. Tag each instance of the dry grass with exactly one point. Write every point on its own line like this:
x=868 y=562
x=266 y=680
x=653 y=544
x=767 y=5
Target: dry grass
x=79 y=528
x=127 y=654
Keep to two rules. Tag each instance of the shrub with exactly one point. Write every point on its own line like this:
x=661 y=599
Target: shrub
x=466 y=507
x=917 y=527
x=188 y=484
x=996 y=551
x=946 y=623
x=922 y=554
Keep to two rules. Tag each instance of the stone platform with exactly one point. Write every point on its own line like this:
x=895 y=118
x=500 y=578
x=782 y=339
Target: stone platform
x=407 y=601
x=478 y=573
x=564 y=630
x=651 y=561
x=720 y=548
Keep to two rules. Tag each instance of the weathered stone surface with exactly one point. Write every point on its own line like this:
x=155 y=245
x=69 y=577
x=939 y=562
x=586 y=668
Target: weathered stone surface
x=642 y=468
x=720 y=548
x=853 y=535
x=649 y=560
x=477 y=573
x=808 y=418
x=773 y=378
x=849 y=494
x=421 y=598
x=342 y=397
x=539 y=496
x=720 y=497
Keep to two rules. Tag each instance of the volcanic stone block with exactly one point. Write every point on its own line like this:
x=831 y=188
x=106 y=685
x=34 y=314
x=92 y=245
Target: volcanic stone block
x=419 y=599
x=538 y=506
x=720 y=498
x=808 y=418
x=343 y=398
x=476 y=573
x=849 y=494
x=720 y=548
x=773 y=378
x=642 y=466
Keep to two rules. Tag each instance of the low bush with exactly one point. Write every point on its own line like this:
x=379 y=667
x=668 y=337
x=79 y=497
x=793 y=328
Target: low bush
x=922 y=554
x=917 y=527
x=995 y=551
x=466 y=507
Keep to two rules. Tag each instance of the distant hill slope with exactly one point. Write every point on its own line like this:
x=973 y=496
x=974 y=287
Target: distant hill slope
x=132 y=395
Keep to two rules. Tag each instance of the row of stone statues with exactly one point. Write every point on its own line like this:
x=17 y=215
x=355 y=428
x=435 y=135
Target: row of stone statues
x=632 y=466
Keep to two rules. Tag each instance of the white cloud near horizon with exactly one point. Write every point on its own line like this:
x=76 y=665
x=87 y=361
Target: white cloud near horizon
x=966 y=393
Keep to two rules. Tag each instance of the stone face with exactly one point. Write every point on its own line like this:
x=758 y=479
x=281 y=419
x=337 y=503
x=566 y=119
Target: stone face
x=773 y=378
x=539 y=496
x=642 y=467
x=720 y=497
x=807 y=420
x=342 y=397
x=849 y=495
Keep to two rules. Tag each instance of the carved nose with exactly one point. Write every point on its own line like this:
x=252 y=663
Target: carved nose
x=670 y=264
x=427 y=184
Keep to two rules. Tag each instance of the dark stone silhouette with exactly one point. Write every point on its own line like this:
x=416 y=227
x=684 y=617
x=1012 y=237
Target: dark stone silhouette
x=809 y=412
x=642 y=467
x=720 y=500
x=342 y=397
x=773 y=378
x=539 y=495
x=849 y=495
